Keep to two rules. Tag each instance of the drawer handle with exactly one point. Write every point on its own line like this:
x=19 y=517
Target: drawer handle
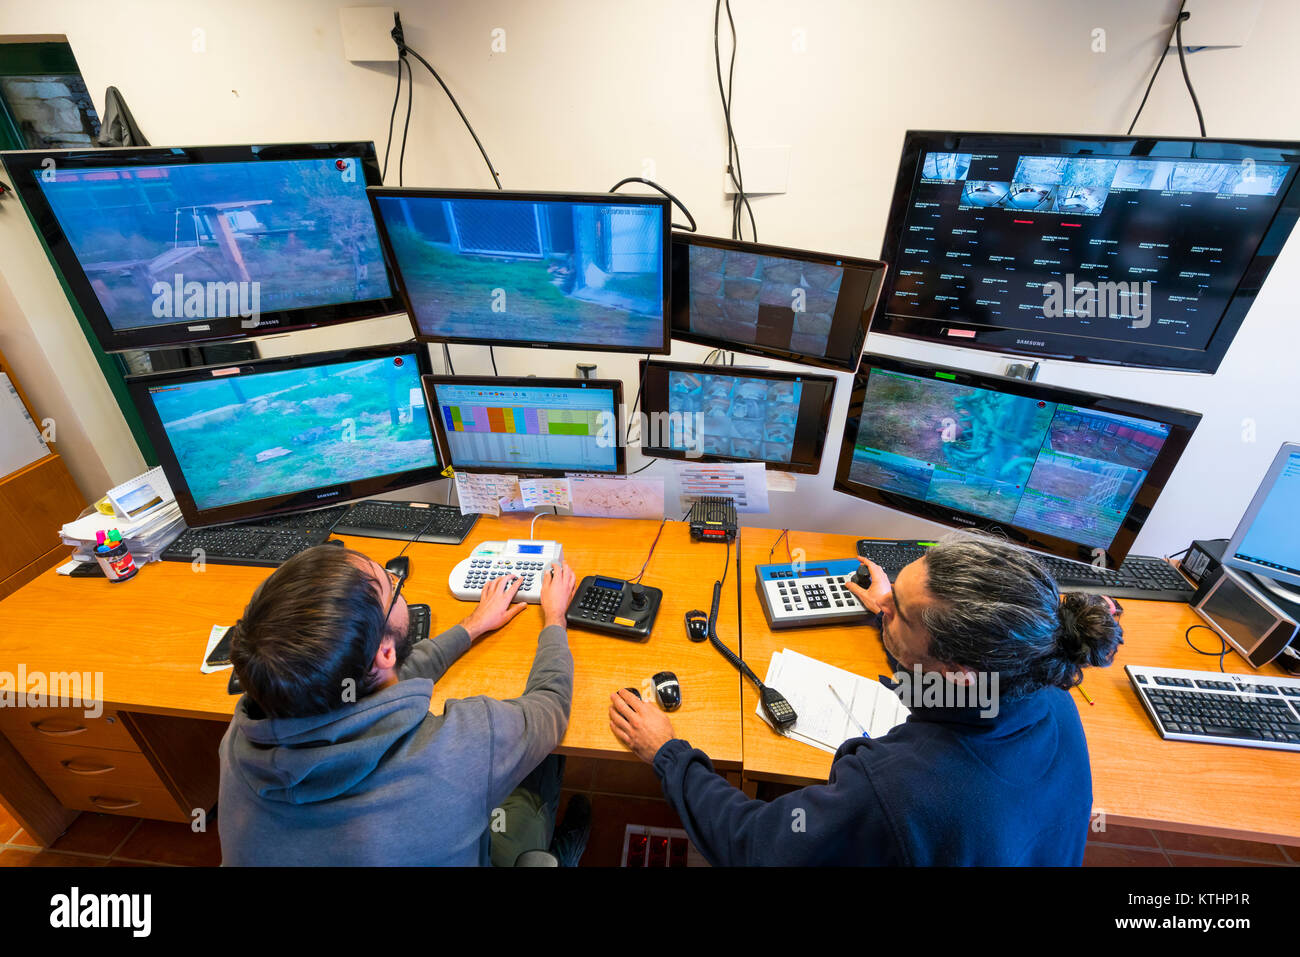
x=75 y=768
x=113 y=804
x=58 y=732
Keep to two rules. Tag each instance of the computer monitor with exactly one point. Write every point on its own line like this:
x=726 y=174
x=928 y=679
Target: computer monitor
x=549 y=270
x=1130 y=251
x=259 y=438
x=707 y=413
x=527 y=426
x=169 y=247
x=790 y=304
x=1267 y=542
x=1053 y=469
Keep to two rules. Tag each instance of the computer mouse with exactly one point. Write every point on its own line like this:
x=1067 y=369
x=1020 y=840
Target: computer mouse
x=634 y=691
x=697 y=625
x=400 y=566
x=668 y=690
x=862 y=577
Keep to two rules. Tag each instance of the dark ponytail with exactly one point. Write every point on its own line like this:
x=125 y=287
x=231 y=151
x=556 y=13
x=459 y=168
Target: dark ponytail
x=1088 y=637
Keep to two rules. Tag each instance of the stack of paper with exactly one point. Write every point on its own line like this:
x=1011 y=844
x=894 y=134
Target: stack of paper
x=823 y=722
x=146 y=535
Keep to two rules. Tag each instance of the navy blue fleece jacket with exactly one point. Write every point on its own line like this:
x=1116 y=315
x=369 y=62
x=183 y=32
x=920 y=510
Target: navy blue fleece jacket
x=945 y=787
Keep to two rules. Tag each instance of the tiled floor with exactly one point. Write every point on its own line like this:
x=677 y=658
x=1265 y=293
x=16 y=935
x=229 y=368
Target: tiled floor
x=621 y=793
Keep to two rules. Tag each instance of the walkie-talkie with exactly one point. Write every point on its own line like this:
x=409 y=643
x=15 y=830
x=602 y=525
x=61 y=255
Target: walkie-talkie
x=777 y=709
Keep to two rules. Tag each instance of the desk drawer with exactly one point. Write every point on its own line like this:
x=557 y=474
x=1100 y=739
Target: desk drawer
x=32 y=728
x=109 y=798
x=103 y=765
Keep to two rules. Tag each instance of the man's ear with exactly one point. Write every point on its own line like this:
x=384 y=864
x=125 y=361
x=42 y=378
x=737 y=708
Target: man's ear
x=961 y=675
x=386 y=656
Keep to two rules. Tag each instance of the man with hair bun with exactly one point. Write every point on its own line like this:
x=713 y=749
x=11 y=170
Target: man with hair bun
x=1000 y=783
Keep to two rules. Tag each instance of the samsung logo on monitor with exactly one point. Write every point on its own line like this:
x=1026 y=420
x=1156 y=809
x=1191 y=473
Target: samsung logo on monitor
x=1031 y=342
x=327 y=495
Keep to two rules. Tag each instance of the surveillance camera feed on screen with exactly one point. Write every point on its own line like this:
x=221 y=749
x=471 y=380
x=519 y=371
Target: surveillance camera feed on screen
x=1045 y=466
x=502 y=426
x=485 y=270
x=739 y=417
x=1141 y=249
x=161 y=244
x=789 y=305
x=243 y=438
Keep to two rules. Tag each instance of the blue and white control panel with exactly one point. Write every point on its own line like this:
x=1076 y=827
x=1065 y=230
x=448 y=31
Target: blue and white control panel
x=810 y=593
x=522 y=558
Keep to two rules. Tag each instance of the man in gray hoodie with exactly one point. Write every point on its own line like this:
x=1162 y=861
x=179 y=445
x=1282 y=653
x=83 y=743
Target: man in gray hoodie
x=333 y=756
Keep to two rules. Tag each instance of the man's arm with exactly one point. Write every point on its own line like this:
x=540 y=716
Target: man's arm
x=431 y=659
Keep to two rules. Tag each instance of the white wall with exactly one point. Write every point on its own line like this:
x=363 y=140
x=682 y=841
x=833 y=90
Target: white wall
x=588 y=91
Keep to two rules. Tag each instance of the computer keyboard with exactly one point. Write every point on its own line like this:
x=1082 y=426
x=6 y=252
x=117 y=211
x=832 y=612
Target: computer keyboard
x=320 y=520
x=1216 y=708
x=1140 y=576
x=421 y=521
x=242 y=545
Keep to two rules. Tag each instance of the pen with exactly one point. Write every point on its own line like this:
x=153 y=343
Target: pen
x=848 y=712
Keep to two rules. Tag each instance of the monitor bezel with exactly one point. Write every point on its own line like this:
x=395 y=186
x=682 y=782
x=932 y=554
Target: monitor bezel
x=616 y=199
x=317 y=497
x=822 y=430
x=25 y=165
x=1182 y=425
x=681 y=302
x=430 y=382
x=1072 y=348
x=1252 y=512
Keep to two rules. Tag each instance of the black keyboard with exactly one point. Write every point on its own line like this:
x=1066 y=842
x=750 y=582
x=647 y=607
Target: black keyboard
x=321 y=520
x=1150 y=579
x=421 y=521
x=1217 y=708
x=242 y=545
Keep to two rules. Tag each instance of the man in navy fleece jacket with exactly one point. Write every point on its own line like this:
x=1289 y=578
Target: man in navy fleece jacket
x=952 y=785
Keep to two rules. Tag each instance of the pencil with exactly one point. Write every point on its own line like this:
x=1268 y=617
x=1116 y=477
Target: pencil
x=1085 y=695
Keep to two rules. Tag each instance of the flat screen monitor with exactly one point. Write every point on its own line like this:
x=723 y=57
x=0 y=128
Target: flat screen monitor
x=175 y=246
x=1061 y=471
x=708 y=413
x=550 y=270
x=533 y=426
x=1267 y=542
x=791 y=304
x=259 y=438
x=1130 y=251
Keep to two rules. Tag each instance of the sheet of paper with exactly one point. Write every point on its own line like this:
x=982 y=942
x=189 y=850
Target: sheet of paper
x=21 y=443
x=617 y=497
x=823 y=723
x=553 y=492
x=214 y=637
x=483 y=494
x=780 y=481
x=136 y=498
x=744 y=482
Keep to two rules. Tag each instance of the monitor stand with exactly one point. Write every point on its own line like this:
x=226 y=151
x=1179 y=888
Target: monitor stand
x=1281 y=591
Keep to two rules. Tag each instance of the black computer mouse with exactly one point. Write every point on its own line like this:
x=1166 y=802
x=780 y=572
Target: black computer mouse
x=697 y=625
x=400 y=566
x=862 y=577
x=668 y=690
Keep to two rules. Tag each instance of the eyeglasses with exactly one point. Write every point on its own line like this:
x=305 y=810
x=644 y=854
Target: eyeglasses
x=397 y=581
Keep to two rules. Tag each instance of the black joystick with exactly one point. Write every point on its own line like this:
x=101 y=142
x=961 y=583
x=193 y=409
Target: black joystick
x=862 y=577
x=638 y=597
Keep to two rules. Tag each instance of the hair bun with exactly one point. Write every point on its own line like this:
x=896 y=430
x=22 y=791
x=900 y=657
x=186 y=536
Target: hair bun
x=1088 y=634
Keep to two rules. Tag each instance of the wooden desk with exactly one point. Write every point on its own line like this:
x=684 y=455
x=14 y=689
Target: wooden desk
x=1137 y=778
x=147 y=636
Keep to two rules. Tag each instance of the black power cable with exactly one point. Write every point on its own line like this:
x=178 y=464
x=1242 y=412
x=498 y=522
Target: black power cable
x=410 y=91
x=1175 y=36
x=676 y=202
x=733 y=148
x=397 y=95
x=1182 y=62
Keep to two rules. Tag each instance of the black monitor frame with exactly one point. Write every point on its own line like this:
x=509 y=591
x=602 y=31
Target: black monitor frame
x=1182 y=424
x=606 y=199
x=655 y=401
x=25 y=166
x=304 y=500
x=430 y=382
x=681 y=301
x=1079 y=348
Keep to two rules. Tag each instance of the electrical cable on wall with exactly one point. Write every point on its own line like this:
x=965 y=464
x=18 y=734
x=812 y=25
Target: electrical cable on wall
x=740 y=200
x=676 y=202
x=1175 y=37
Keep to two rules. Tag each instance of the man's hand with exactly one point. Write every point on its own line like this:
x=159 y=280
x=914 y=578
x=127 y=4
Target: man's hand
x=873 y=598
x=642 y=727
x=557 y=592
x=494 y=607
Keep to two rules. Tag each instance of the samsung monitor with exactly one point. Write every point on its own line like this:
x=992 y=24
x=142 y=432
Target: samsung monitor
x=1135 y=251
x=806 y=307
x=249 y=440
x=708 y=413
x=1267 y=541
x=549 y=270
x=1065 y=472
x=175 y=246
x=527 y=426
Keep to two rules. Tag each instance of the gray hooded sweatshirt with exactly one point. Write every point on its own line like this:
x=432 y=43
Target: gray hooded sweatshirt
x=384 y=781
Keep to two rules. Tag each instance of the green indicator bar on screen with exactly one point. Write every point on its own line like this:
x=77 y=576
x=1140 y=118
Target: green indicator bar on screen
x=945 y=375
x=568 y=428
